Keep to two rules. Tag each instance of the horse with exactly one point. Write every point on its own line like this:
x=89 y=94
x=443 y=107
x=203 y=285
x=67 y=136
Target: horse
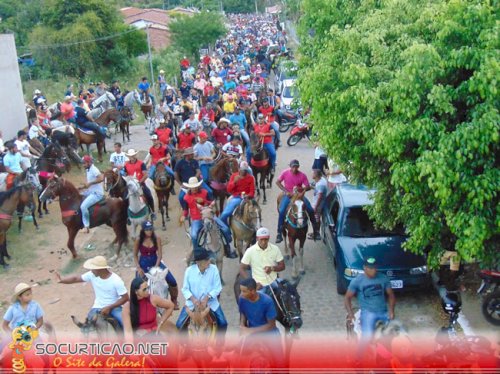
x=111 y=211
x=29 y=176
x=9 y=201
x=295 y=228
x=138 y=210
x=102 y=104
x=220 y=174
x=260 y=165
x=52 y=161
x=130 y=98
x=114 y=184
x=157 y=283
x=163 y=184
x=105 y=327
x=124 y=122
x=287 y=302
x=64 y=136
x=108 y=116
x=148 y=110
x=244 y=224
x=88 y=137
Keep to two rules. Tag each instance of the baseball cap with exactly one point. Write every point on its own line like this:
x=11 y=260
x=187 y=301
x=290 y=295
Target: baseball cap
x=87 y=158
x=147 y=225
x=263 y=233
x=370 y=262
x=294 y=163
x=154 y=137
x=203 y=134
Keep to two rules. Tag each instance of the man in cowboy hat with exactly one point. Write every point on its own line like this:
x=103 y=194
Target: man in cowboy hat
x=94 y=190
x=193 y=199
x=222 y=133
x=265 y=259
x=186 y=168
x=202 y=285
x=136 y=168
x=241 y=185
x=109 y=289
x=290 y=180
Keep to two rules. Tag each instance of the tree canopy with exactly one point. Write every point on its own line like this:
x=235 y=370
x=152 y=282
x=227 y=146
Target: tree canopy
x=78 y=36
x=405 y=97
x=190 y=33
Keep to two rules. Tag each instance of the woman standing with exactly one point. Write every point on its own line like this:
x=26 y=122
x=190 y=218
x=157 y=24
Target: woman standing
x=140 y=314
x=148 y=253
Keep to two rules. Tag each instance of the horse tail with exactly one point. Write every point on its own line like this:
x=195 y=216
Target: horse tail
x=123 y=227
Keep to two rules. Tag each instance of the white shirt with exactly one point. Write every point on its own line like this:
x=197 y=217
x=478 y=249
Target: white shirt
x=232 y=150
x=92 y=174
x=23 y=146
x=118 y=159
x=33 y=132
x=318 y=152
x=107 y=291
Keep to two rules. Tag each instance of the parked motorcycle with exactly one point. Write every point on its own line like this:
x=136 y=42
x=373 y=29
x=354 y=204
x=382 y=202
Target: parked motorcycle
x=300 y=130
x=286 y=119
x=490 y=290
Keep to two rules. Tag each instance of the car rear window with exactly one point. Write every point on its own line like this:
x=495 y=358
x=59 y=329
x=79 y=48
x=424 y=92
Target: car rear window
x=359 y=225
x=289 y=92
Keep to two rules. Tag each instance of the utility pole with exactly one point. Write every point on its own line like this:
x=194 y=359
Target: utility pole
x=153 y=82
x=256 y=8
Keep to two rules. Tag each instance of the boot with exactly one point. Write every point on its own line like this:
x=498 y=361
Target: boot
x=279 y=237
x=229 y=253
x=174 y=293
x=172 y=190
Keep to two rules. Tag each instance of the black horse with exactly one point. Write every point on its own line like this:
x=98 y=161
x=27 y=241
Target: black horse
x=287 y=303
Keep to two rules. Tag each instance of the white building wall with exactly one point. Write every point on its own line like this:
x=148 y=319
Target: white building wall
x=12 y=109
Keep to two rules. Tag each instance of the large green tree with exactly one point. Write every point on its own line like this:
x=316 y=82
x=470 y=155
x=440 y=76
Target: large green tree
x=190 y=33
x=79 y=36
x=405 y=96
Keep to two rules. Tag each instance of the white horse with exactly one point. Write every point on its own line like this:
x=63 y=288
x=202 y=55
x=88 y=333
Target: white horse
x=138 y=210
x=157 y=283
x=101 y=104
x=131 y=98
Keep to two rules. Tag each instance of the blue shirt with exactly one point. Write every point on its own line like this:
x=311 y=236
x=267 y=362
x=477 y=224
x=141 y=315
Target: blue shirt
x=13 y=162
x=143 y=86
x=186 y=169
x=240 y=119
x=15 y=315
x=200 y=284
x=228 y=85
x=371 y=292
x=258 y=313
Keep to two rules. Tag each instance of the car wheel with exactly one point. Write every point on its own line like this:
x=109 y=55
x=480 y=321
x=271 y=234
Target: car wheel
x=341 y=283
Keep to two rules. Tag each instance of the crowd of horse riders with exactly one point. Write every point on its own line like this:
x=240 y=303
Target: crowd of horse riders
x=218 y=144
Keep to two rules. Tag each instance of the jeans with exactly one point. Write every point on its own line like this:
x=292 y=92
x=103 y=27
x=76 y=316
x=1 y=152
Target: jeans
x=98 y=130
x=116 y=313
x=276 y=128
x=90 y=200
x=152 y=171
x=368 y=321
x=147 y=262
x=282 y=212
x=197 y=225
x=205 y=186
x=205 y=171
x=231 y=205
x=219 y=316
x=225 y=230
x=269 y=147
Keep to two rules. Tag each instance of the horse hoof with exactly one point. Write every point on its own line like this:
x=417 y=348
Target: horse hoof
x=164 y=228
x=6 y=266
x=167 y=219
x=47 y=212
x=40 y=215
x=302 y=272
x=113 y=258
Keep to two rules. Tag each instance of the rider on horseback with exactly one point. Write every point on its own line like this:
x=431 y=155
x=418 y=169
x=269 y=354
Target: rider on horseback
x=294 y=179
x=109 y=289
x=266 y=133
x=12 y=164
x=233 y=147
x=158 y=153
x=86 y=122
x=135 y=167
x=265 y=260
x=195 y=198
x=241 y=185
x=143 y=87
x=94 y=192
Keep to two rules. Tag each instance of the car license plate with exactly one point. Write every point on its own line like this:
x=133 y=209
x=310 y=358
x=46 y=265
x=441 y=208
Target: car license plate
x=396 y=283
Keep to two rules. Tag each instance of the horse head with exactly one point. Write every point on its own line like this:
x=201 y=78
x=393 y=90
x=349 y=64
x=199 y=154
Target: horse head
x=133 y=186
x=207 y=214
x=98 y=324
x=53 y=188
x=156 y=281
x=250 y=212
x=290 y=302
x=110 y=179
x=162 y=177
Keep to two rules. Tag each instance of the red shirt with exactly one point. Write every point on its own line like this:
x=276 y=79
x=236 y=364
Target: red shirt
x=137 y=167
x=220 y=135
x=206 y=60
x=185 y=140
x=207 y=113
x=190 y=200
x=157 y=153
x=262 y=129
x=267 y=112
x=246 y=184
x=207 y=89
x=164 y=135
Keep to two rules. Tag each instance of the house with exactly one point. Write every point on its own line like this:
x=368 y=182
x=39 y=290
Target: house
x=184 y=11
x=156 y=19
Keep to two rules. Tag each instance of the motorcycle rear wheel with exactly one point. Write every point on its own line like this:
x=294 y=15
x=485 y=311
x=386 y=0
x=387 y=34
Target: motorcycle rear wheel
x=293 y=140
x=284 y=127
x=491 y=307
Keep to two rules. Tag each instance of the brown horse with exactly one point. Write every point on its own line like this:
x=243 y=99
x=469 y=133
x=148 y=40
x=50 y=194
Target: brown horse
x=260 y=165
x=110 y=115
x=110 y=211
x=124 y=122
x=9 y=201
x=244 y=223
x=220 y=173
x=88 y=137
x=295 y=228
x=148 y=110
x=114 y=184
x=163 y=184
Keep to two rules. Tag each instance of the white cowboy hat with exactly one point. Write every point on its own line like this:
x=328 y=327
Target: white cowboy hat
x=66 y=98
x=37 y=91
x=192 y=183
x=224 y=119
x=96 y=263
x=20 y=288
x=188 y=151
x=131 y=152
x=162 y=71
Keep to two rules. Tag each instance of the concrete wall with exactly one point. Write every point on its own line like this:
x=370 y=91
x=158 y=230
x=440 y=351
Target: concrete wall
x=12 y=109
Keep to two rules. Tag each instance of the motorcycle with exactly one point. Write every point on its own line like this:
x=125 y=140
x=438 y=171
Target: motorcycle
x=286 y=119
x=300 y=130
x=490 y=290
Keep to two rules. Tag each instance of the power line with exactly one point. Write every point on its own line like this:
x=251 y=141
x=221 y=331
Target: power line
x=48 y=46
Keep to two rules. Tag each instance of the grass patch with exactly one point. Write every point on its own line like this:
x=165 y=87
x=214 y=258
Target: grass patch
x=73 y=266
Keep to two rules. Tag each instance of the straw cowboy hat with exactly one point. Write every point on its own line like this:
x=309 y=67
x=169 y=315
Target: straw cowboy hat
x=20 y=288
x=131 y=152
x=96 y=263
x=192 y=183
x=188 y=151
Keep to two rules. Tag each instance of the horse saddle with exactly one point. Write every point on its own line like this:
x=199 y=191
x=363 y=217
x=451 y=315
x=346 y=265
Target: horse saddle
x=211 y=319
x=85 y=131
x=93 y=209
